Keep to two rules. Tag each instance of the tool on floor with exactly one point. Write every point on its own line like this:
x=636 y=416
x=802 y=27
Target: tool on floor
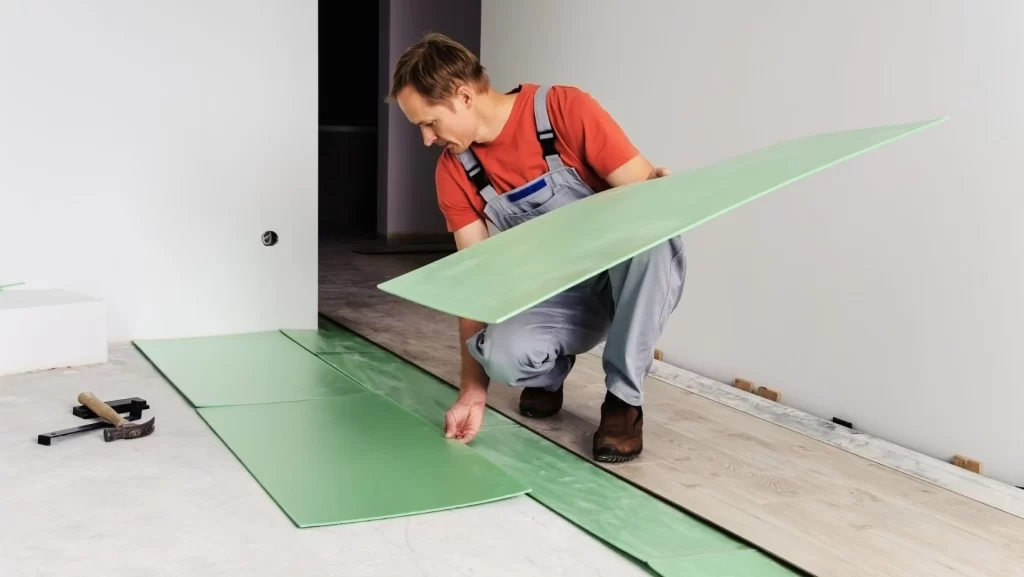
x=134 y=409
x=119 y=405
x=122 y=429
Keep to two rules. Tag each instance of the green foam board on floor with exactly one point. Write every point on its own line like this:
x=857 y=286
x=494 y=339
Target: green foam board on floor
x=408 y=385
x=750 y=563
x=518 y=268
x=244 y=369
x=602 y=504
x=329 y=338
x=623 y=516
x=355 y=458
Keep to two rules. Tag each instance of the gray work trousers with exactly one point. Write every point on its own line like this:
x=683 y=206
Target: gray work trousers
x=626 y=306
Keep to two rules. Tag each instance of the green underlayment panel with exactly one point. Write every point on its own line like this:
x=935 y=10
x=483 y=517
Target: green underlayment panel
x=617 y=512
x=672 y=542
x=243 y=369
x=749 y=563
x=518 y=268
x=355 y=458
x=608 y=507
x=330 y=338
x=328 y=460
x=384 y=372
x=408 y=385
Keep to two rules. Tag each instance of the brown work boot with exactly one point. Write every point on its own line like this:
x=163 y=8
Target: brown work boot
x=538 y=403
x=620 y=436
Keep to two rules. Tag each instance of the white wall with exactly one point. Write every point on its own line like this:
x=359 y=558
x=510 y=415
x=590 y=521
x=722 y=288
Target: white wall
x=887 y=290
x=146 y=146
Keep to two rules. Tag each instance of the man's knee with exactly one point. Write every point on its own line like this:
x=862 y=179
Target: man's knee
x=509 y=354
x=663 y=253
x=661 y=266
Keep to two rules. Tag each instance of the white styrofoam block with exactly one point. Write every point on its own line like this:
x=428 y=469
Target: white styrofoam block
x=50 y=328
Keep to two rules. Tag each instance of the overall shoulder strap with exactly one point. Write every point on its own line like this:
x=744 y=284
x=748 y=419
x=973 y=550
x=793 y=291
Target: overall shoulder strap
x=545 y=132
x=475 y=172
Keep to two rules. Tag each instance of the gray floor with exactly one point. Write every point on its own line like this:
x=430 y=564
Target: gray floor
x=178 y=503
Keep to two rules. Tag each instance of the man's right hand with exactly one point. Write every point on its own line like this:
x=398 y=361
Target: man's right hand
x=465 y=418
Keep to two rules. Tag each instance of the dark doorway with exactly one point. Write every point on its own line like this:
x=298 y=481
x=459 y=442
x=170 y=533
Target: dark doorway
x=349 y=103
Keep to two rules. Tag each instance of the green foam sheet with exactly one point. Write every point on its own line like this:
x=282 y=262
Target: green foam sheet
x=330 y=338
x=672 y=542
x=609 y=508
x=749 y=563
x=518 y=268
x=245 y=369
x=383 y=372
x=408 y=385
x=355 y=458
x=377 y=451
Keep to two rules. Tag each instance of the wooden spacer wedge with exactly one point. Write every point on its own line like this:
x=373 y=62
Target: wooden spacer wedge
x=968 y=463
x=771 y=395
x=744 y=385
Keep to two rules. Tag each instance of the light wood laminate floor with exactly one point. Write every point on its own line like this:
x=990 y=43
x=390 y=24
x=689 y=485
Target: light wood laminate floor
x=825 y=510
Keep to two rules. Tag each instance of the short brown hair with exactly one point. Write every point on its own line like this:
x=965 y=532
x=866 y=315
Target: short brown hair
x=435 y=66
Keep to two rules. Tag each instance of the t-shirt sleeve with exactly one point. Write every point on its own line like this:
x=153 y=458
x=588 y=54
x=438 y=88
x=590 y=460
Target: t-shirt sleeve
x=452 y=196
x=590 y=130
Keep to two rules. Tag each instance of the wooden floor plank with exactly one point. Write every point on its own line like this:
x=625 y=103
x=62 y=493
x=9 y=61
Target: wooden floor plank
x=816 y=506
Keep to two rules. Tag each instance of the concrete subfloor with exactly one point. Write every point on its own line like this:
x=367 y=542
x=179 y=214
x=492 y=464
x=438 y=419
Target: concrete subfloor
x=179 y=503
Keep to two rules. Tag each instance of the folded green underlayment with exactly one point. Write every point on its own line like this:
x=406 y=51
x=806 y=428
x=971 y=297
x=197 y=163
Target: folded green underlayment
x=378 y=451
x=518 y=268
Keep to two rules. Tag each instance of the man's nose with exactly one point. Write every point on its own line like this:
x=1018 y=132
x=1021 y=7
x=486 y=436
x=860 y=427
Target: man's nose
x=429 y=137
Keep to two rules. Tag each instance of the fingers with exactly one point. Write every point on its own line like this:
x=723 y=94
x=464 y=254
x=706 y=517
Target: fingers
x=463 y=424
x=451 y=427
x=469 y=432
x=474 y=422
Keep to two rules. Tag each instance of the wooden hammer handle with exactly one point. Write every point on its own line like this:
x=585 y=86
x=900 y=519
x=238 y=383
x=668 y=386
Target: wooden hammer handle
x=101 y=409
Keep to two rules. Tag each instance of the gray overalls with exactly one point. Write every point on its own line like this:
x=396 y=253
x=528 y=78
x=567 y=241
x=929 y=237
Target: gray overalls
x=626 y=306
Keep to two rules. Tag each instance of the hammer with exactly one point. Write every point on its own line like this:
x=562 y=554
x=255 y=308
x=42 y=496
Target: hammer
x=122 y=428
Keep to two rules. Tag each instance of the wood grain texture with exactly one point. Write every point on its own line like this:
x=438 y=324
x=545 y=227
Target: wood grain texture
x=820 y=508
x=938 y=472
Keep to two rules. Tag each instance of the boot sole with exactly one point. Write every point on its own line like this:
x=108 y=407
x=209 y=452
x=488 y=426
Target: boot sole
x=537 y=415
x=616 y=457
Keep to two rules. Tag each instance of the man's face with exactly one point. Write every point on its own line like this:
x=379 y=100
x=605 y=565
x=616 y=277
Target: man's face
x=451 y=127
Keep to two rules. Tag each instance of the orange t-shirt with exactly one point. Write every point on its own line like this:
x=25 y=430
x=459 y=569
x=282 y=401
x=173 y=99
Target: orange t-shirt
x=586 y=137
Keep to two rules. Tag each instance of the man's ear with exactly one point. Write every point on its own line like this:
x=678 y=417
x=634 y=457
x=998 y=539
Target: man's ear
x=464 y=94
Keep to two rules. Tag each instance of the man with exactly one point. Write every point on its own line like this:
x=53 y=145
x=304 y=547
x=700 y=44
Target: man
x=508 y=158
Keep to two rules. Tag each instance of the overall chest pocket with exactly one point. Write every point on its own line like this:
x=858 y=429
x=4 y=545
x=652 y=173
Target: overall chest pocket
x=530 y=196
x=553 y=197
x=552 y=191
